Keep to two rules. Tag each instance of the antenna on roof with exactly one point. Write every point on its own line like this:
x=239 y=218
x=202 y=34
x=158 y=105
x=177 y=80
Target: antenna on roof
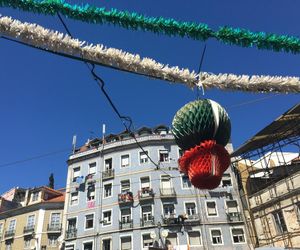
x=74 y=143
x=103 y=133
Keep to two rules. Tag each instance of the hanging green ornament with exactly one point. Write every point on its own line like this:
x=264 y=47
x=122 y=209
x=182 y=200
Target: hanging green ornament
x=201 y=120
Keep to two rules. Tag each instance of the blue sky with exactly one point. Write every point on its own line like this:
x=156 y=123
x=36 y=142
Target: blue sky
x=46 y=99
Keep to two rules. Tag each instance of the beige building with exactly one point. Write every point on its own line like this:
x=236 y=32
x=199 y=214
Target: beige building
x=269 y=182
x=31 y=219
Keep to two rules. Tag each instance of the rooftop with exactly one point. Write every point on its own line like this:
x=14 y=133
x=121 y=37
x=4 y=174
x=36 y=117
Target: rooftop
x=287 y=126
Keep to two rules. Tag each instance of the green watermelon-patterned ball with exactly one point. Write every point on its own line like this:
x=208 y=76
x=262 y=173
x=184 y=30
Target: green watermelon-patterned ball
x=201 y=120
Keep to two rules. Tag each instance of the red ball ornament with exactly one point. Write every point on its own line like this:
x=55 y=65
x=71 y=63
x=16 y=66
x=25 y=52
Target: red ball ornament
x=205 y=164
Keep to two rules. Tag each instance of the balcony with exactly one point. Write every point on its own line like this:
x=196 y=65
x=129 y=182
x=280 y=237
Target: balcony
x=234 y=217
x=54 y=228
x=125 y=198
x=71 y=233
x=126 y=224
x=167 y=192
x=146 y=222
x=108 y=174
x=9 y=234
x=146 y=193
x=171 y=219
x=28 y=230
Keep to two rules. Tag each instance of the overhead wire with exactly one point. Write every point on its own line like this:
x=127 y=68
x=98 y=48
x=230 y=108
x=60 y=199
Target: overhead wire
x=124 y=119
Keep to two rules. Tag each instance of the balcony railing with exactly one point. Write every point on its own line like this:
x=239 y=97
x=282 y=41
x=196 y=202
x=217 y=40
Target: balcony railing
x=28 y=229
x=169 y=219
x=71 y=233
x=167 y=192
x=125 y=198
x=234 y=217
x=146 y=193
x=108 y=174
x=55 y=227
x=90 y=178
x=147 y=222
x=126 y=224
x=9 y=234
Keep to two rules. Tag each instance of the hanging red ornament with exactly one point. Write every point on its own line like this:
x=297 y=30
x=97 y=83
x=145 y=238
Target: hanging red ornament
x=205 y=164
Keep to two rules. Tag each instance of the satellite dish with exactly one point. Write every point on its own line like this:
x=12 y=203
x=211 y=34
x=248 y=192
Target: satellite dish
x=164 y=233
x=152 y=235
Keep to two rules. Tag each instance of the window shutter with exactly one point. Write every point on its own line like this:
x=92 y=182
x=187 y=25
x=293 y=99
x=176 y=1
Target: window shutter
x=194 y=238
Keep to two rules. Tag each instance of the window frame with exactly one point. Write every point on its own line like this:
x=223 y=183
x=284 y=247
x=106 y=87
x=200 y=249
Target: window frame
x=216 y=206
x=89 y=169
x=88 y=241
x=75 y=204
x=182 y=182
x=211 y=239
x=159 y=153
x=85 y=221
x=121 y=163
x=87 y=192
x=106 y=184
x=140 y=158
x=189 y=202
x=188 y=238
x=111 y=218
x=125 y=236
x=238 y=243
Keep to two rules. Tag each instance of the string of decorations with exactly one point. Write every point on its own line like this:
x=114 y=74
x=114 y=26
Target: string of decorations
x=159 y=25
x=52 y=41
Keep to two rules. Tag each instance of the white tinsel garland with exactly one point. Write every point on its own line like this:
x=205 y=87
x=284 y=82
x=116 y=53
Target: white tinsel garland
x=35 y=35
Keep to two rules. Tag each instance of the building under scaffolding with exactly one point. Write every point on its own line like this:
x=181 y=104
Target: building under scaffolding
x=268 y=171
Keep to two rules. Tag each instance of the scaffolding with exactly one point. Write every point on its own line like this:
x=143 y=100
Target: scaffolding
x=269 y=182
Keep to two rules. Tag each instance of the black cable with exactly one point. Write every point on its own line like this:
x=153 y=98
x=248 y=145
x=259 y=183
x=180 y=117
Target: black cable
x=199 y=69
x=124 y=119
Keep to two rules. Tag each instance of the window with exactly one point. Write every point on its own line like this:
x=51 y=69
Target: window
x=30 y=221
x=226 y=180
x=125 y=160
x=169 y=209
x=143 y=157
x=232 y=208
x=12 y=225
x=55 y=219
x=126 y=215
x=211 y=208
x=92 y=168
x=190 y=208
x=163 y=155
x=125 y=186
x=106 y=244
x=126 y=243
x=74 y=198
x=216 y=236
x=107 y=190
x=145 y=183
x=88 y=246
x=76 y=173
x=147 y=213
x=34 y=196
x=52 y=240
x=91 y=192
x=171 y=240
x=108 y=164
x=70 y=247
x=194 y=238
x=89 y=221
x=280 y=222
x=72 y=224
x=166 y=185
x=27 y=243
x=107 y=218
x=186 y=182
x=238 y=235
x=147 y=241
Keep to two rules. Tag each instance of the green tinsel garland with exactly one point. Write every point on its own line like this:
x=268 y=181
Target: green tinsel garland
x=135 y=21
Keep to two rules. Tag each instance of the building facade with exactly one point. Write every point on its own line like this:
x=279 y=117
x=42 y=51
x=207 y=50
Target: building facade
x=118 y=199
x=32 y=220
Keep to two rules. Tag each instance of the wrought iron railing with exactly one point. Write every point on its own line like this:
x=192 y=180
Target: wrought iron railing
x=54 y=227
x=147 y=222
x=167 y=192
x=126 y=224
x=71 y=233
x=107 y=174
